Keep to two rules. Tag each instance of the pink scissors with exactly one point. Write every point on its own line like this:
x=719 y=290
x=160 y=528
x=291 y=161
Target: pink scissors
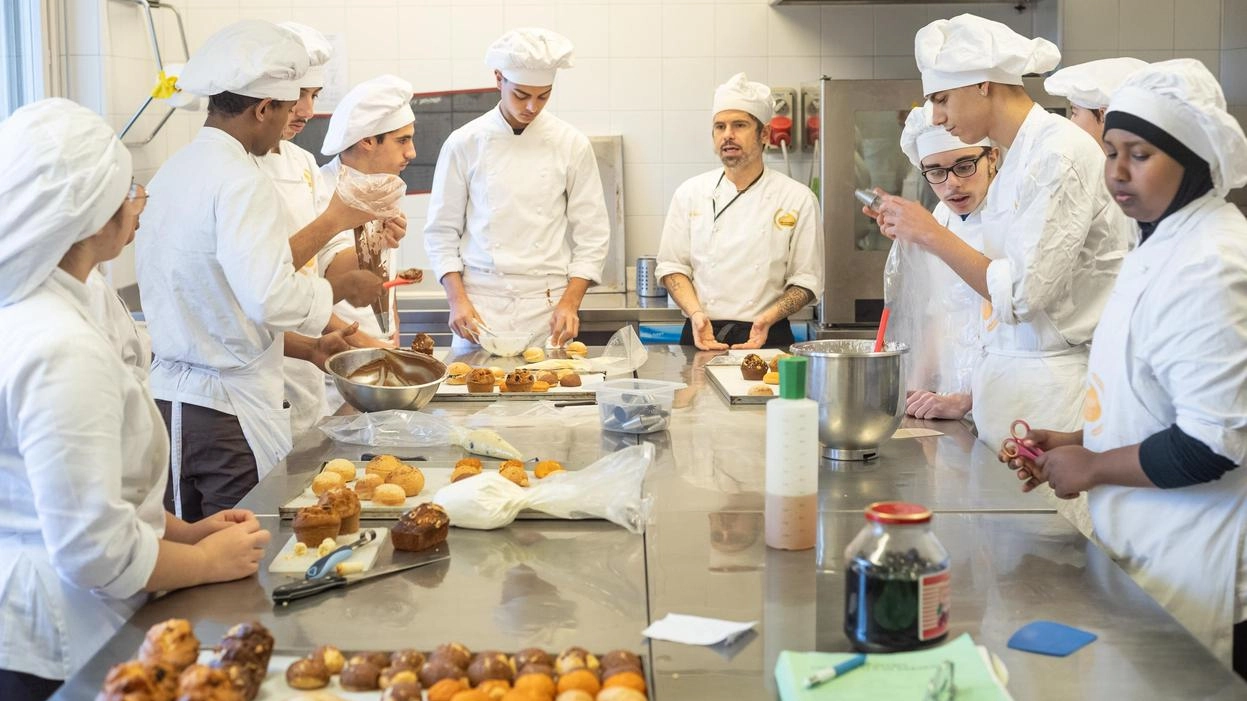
x=1013 y=447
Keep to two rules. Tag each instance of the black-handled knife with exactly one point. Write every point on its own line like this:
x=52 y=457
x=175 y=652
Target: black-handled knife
x=286 y=593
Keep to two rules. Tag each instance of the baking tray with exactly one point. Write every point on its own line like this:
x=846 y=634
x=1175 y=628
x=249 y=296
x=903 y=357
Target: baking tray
x=586 y=392
x=724 y=374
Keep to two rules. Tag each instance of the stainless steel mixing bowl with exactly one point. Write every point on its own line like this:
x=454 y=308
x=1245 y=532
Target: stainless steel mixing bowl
x=860 y=396
x=372 y=398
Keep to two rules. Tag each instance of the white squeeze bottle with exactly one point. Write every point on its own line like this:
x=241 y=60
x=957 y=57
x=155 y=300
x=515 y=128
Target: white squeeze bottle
x=791 y=461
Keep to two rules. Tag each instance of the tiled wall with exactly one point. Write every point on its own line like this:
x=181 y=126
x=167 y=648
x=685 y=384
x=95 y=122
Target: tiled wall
x=646 y=70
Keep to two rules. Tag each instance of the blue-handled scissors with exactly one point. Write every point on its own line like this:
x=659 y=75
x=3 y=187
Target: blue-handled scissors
x=1013 y=447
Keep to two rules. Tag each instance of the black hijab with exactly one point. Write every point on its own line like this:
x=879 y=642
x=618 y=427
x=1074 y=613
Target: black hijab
x=1196 y=175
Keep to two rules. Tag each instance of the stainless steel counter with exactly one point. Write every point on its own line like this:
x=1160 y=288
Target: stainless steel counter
x=553 y=584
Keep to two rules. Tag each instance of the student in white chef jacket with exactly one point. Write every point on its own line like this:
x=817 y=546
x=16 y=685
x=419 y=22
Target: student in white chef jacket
x=935 y=312
x=1161 y=452
x=517 y=229
x=742 y=248
x=306 y=194
x=1088 y=87
x=1052 y=239
x=218 y=279
x=83 y=535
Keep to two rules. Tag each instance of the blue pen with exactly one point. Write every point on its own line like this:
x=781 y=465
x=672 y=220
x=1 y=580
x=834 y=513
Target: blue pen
x=828 y=673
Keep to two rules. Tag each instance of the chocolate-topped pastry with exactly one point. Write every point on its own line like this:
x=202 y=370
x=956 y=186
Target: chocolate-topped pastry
x=402 y=691
x=256 y=642
x=423 y=343
x=574 y=658
x=360 y=675
x=620 y=658
x=172 y=642
x=406 y=659
x=533 y=655
x=307 y=673
x=420 y=529
x=394 y=675
x=332 y=657
x=380 y=660
x=753 y=367
x=456 y=652
x=439 y=668
x=490 y=665
x=203 y=683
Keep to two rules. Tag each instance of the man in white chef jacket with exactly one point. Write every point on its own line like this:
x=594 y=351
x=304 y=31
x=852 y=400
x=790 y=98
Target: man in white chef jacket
x=517 y=230
x=1088 y=87
x=218 y=281
x=305 y=194
x=742 y=248
x=373 y=131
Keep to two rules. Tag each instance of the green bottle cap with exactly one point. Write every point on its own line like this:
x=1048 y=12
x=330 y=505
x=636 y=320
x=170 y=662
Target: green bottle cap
x=792 y=377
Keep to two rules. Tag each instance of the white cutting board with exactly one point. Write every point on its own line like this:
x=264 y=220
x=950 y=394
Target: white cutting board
x=727 y=378
x=287 y=562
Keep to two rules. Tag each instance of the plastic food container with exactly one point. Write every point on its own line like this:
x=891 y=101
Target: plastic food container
x=636 y=406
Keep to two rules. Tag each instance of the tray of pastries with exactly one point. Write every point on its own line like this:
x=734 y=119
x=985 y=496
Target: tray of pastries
x=484 y=383
x=243 y=666
x=746 y=377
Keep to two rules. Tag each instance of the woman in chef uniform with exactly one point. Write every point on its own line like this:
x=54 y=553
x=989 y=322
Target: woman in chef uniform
x=1088 y=87
x=83 y=533
x=1052 y=239
x=938 y=313
x=1165 y=429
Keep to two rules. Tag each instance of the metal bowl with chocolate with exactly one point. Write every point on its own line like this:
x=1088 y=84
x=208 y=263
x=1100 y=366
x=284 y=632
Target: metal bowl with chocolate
x=377 y=379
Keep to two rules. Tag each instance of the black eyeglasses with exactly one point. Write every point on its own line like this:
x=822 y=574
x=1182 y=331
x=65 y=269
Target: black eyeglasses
x=961 y=169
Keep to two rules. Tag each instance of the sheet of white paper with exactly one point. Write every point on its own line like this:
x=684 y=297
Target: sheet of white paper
x=915 y=433
x=695 y=630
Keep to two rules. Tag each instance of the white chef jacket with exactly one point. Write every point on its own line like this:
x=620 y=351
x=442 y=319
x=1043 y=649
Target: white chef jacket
x=345 y=241
x=1172 y=349
x=517 y=204
x=82 y=480
x=768 y=239
x=302 y=189
x=111 y=313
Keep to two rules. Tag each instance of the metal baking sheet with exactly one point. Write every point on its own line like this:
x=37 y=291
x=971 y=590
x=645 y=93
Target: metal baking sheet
x=586 y=392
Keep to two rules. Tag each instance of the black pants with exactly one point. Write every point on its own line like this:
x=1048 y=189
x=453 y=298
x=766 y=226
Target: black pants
x=1239 y=656
x=218 y=468
x=731 y=332
x=19 y=686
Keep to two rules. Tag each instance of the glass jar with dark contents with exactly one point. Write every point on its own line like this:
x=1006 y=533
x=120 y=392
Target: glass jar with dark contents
x=896 y=594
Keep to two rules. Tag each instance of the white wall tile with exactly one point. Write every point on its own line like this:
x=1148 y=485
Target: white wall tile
x=1145 y=24
x=740 y=30
x=685 y=136
x=642 y=237
x=588 y=26
x=1233 y=24
x=83 y=31
x=688 y=30
x=756 y=67
x=1089 y=25
x=203 y=22
x=328 y=20
x=369 y=39
x=473 y=29
x=642 y=134
x=1073 y=58
x=128 y=31
x=643 y=188
x=688 y=83
x=536 y=14
x=469 y=73
x=359 y=69
x=895 y=67
x=433 y=75
x=587 y=86
x=424 y=33
x=848 y=67
x=1006 y=14
x=1234 y=76
x=635 y=31
x=895 y=28
x=791 y=71
x=1153 y=55
x=129 y=81
x=636 y=84
x=86 y=82
x=849 y=31
x=674 y=174
x=591 y=122
x=794 y=31
x=1197 y=24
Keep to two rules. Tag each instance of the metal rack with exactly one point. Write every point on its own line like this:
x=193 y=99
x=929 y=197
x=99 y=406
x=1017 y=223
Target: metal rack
x=148 y=6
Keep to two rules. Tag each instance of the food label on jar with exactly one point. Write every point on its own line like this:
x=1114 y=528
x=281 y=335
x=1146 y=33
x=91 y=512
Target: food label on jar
x=933 y=604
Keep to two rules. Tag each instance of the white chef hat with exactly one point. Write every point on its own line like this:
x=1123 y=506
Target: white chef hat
x=920 y=138
x=319 y=51
x=1184 y=99
x=253 y=58
x=739 y=93
x=376 y=106
x=65 y=176
x=967 y=49
x=530 y=56
x=1090 y=85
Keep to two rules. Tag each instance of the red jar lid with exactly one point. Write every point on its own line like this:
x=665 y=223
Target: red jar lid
x=897 y=513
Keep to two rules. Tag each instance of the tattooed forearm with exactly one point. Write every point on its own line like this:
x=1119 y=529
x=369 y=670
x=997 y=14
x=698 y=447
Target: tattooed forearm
x=793 y=299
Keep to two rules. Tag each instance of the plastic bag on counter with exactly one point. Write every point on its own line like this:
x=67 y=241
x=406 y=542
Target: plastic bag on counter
x=623 y=353
x=540 y=414
x=379 y=194
x=609 y=488
x=935 y=313
x=399 y=428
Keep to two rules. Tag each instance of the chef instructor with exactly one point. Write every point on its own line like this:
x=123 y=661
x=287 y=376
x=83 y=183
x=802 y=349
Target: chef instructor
x=517 y=229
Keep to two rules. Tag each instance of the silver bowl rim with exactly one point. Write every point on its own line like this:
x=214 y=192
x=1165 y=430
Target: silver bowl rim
x=336 y=376
x=804 y=348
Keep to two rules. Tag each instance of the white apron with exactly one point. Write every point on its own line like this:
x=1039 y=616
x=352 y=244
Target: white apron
x=1183 y=546
x=512 y=303
x=255 y=392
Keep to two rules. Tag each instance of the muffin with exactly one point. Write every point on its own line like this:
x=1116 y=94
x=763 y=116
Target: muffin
x=463 y=472
x=364 y=486
x=771 y=378
x=480 y=381
x=761 y=391
x=420 y=529
x=571 y=379
x=411 y=479
x=307 y=673
x=312 y=524
x=422 y=343
x=545 y=468
x=332 y=657
x=383 y=465
x=773 y=366
x=753 y=367
x=514 y=473
x=437 y=670
x=520 y=380
x=342 y=467
x=402 y=691
x=325 y=481
x=576 y=348
x=202 y=683
x=172 y=642
x=490 y=665
x=389 y=495
x=345 y=503
x=534 y=355
x=457 y=653
x=360 y=675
